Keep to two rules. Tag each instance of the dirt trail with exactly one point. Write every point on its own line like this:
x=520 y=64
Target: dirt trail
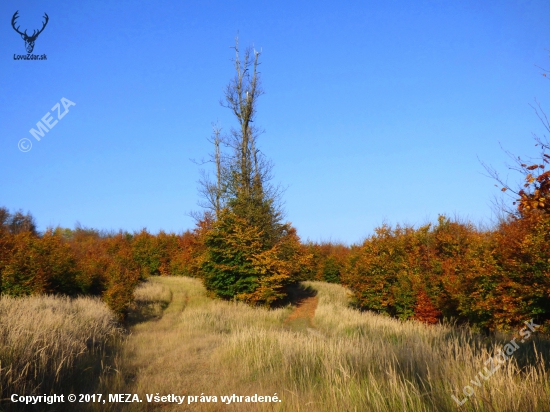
x=302 y=316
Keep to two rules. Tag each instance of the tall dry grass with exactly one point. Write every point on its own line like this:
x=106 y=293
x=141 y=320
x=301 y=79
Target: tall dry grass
x=184 y=343
x=363 y=361
x=51 y=344
x=349 y=361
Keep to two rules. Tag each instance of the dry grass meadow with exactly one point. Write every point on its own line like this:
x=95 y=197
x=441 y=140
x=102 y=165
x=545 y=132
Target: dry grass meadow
x=323 y=356
x=53 y=345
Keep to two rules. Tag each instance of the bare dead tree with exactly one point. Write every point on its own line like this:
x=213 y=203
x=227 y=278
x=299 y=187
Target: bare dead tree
x=213 y=192
x=241 y=97
x=531 y=168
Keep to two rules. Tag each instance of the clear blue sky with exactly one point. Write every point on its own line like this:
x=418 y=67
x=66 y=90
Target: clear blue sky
x=374 y=111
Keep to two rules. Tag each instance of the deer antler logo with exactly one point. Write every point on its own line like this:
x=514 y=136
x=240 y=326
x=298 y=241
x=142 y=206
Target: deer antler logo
x=29 y=40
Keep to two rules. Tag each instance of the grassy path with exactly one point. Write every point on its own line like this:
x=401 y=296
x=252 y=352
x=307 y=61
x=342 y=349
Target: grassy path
x=177 y=346
x=167 y=356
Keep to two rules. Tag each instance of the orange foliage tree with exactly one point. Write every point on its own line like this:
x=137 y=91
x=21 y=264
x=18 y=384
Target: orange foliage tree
x=424 y=308
x=67 y=262
x=327 y=263
x=38 y=265
x=425 y=273
x=388 y=269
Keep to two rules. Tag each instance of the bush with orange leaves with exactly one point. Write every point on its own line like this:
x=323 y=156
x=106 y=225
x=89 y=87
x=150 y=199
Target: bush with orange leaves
x=104 y=265
x=464 y=268
x=389 y=270
x=327 y=263
x=185 y=260
x=156 y=254
x=427 y=273
x=522 y=246
x=70 y=263
x=37 y=265
x=424 y=308
x=491 y=279
x=122 y=274
x=521 y=288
